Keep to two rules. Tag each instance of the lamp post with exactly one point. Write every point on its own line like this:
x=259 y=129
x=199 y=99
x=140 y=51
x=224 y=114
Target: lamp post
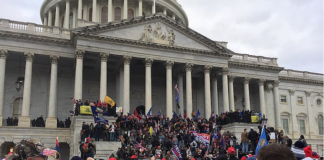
x=20 y=79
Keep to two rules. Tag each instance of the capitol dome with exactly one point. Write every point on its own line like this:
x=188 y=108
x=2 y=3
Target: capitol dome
x=88 y=12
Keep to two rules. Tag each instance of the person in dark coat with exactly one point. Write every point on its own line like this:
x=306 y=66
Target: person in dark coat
x=252 y=136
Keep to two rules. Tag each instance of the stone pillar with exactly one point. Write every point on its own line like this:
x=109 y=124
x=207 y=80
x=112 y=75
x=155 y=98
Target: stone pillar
x=207 y=91
x=231 y=93
x=309 y=113
x=121 y=87
x=45 y=21
x=269 y=103
x=225 y=89
x=94 y=11
x=3 y=58
x=118 y=89
x=103 y=75
x=276 y=105
x=75 y=17
x=85 y=12
x=80 y=9
x=24 y=120
x=165 y=10
x=169 y=108
x=140 y=7
x=125 y=8
x=79 y=54
x=246 y=93
x=189 y=89
x=57 y=16
x=295 y=130
x=261 y=95
x=67 y=15
x=148 y=84
x=173 y=16
x=49 y=19
x=127 y=61
x=180 y=86
x=153 y=7
x=51 y=121
x=110 y=11
x=215 y=94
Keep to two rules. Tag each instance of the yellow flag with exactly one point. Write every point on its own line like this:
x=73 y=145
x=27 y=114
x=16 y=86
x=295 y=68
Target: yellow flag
x=85 y=110
x=151 y=131
x=255 y=119
x=109 y=101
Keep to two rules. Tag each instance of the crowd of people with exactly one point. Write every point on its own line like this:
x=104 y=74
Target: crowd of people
x=110 y=110
x=11 y=122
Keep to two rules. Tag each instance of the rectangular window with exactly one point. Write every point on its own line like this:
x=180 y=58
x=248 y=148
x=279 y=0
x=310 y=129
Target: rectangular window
x=300 y=100
x=302 y=126
x=283 y=99
x=285 y=125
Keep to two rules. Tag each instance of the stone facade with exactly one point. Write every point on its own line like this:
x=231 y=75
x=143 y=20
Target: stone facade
x=137 y=62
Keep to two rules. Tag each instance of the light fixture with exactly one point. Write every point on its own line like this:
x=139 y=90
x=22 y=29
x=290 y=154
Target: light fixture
x=20 y=79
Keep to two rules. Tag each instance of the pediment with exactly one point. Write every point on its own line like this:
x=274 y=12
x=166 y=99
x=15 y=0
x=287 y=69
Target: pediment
x=156 y=29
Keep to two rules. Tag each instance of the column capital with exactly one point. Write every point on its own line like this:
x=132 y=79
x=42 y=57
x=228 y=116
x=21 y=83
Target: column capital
x=79 y=54
x=29 y=56
x=261 y=82
x=231 y=78
x=246 y=80
x=104 y=56
x=3 y=54
x=225 y=71
x=169 y=64
x=54 y=59
x=276 y=83
x=148 y=62
x=207 y=68
x=127 y=59
x=291 y=92
x=189 y=67
x=269 y=87
x=308 y=93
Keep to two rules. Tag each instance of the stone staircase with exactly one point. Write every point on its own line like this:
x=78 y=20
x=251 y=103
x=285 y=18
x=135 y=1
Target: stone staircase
x=105 y=149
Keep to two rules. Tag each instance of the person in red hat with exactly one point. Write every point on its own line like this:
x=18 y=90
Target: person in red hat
x=230 y=155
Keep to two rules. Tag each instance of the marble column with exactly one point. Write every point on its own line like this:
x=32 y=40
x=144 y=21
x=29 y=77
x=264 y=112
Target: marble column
x=180 y=86
x=153 y=7
x=51 y=121
x=67 y=15
x=169 y=108
x=127 y=61
x=165 y=10
x=103 y=75
x=173 y=16
x=276 y=104
x=75 y=17
x=57 y=16
x=215 y=94
x=309 y=113
x=261 y=95
x=79 y=54
x=45 y=21
x=207 y=91
x=121 y=86
x=295 y=130
x=85 y=12
x=80 y=9
x=118 y=89
x=189 y=89
x=148 y=84
x=24 y=120
x=225 y=89
x=125 y=9
x=246 y=81
x=50 y=18
x=3 y=58
x=231 y=92
x=94 y=11
x=269 y=103
x=110 y=11
x=140 y=7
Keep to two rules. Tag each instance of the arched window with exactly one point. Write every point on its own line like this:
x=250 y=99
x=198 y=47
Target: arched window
x=130 y=13
x=320 y=125
x=117 y=14
x=90 y=14
x=17 y=107
x=104 y=14
x=62 y=20
x=71 y=21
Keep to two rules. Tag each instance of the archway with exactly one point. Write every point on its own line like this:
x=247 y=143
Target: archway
x=17 y=107
x=5 y=148
x=64 y=150
x=141 y=109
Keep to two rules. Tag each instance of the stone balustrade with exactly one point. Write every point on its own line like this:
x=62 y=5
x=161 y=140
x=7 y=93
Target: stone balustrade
x=32 y=28
x=301 y=74
x=245 y=58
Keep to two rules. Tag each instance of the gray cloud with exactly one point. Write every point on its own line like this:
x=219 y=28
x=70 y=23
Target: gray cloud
x=291 y=30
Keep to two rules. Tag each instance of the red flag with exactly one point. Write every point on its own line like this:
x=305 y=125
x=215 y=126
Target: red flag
x=136 y=114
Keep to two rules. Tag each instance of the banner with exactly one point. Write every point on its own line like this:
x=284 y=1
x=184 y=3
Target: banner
x=85 y=110
x=202 y=138
x=255 y=119
x=109 y=101
x=176 y=152
x=119 y=109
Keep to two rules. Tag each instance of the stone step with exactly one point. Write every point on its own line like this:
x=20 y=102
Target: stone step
x=105 y=149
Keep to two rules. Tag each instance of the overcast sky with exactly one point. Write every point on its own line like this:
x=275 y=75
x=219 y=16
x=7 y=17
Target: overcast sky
x=291 y=30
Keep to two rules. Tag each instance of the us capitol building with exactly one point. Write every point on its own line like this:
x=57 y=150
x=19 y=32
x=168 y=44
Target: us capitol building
x=136 y=51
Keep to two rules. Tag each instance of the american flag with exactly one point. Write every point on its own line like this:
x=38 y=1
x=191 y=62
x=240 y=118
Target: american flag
x=74 y=101
x=138 y=145
x=71 y=113
x=176 y=88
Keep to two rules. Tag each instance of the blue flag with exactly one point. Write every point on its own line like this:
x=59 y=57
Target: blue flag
x=197 y=115
x=176 y=152
x=99 y=119
x=262 y=141
x=149 y=112
x=260 y=115
x=159 y=114
x=223 y=141
x=174 y=114
x=180 y=115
